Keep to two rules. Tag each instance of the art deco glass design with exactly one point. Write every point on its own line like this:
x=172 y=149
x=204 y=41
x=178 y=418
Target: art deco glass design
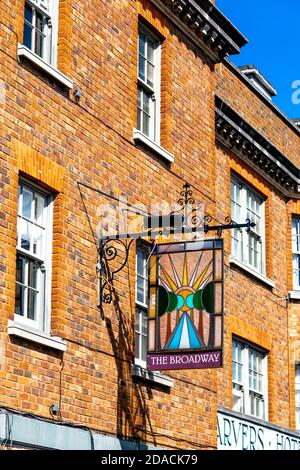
x=186 y=297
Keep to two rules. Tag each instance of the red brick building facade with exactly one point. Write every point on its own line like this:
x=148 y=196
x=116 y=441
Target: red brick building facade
x=71 y=75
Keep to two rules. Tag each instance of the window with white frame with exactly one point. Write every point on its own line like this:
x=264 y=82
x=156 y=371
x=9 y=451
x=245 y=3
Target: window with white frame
x=141 y=318
x=248 y=244
x=33 y=263
x=40 y=28
x=296 y=252
x=249 y=380
x=148 y=100
x=297 y=395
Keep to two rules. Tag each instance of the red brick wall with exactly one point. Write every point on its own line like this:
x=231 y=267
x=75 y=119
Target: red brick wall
x=92 y=142
x=275 y=322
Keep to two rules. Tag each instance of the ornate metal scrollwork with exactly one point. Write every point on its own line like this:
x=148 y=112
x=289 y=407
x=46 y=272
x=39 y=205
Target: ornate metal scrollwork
x=108 y=252
x=186 y=196
x=114 y=253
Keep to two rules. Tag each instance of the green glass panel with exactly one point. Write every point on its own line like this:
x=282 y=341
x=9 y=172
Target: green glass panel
x=198 y=300
x=172 y=302
x=163 y=300
x=208 y=297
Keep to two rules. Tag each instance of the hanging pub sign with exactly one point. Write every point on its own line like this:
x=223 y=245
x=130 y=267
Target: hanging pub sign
x=185 y=322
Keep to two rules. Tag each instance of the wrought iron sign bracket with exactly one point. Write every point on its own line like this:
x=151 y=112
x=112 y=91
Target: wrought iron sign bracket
x=231 y=225
x=184 y=220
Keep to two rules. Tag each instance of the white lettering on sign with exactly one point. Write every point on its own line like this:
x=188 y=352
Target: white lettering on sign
x=186 y=359
x=244 y=434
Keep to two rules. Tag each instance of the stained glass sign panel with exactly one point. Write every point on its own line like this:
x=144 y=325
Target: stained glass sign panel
x=185 y=321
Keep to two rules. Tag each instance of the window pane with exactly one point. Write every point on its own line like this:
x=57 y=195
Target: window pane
x=240 y=353
x=146 y=124
x=31 y=304
x=139 y=119
x=39 y=209
x=19 y=300
x=150 y=74
x=237 y=365
x=240 y=370
x=260 y=383
x=296 y=272
x=298 y=375
x=234 y=351
x=141 y=339
x=39 y=21
x=139 y=109
x=27 y=36
x=295 y=234
x=255 y=260
x=237 y=403
x=140 y=263
x=255 y=381
x=32 y=273
x=234 y=375
x=27 y=203
x=37 y=238
x=252 y=406
x=140 y=290
x=20 y=269
x=137 y=345
x=147 y=103
x=144 y=348
x=142 y=68
x=24 y=234
x=144 y=323
x=39 y=42
x=150 y=50
x=28 y=13
x=137 y=321
x=139 y=98
x=142 y=44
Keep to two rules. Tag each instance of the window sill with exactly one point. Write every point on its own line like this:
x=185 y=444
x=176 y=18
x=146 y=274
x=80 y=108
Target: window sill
x=253 y=273
x=22 y=331
x=24 y=52
x=294 y=294
x=150 y=376
x=138 y=136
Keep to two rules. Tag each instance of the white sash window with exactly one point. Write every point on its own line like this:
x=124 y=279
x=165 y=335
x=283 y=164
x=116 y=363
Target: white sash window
x=296 y=252
x=248 y=246
x=40 y=28
x=33 y=263
x=148 y=99
x=249 y=380
x=141 y=311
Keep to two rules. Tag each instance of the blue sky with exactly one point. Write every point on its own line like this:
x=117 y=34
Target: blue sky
x=272 y=28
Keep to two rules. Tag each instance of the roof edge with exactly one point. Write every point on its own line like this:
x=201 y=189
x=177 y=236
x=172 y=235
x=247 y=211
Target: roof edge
x=235 y=69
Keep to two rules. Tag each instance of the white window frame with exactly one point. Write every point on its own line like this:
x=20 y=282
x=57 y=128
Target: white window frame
x=42 y=321
x=141 y=307
x=50 y=12
x=241 y=390
x=154 y=134
x=295 y=251
x=243 y=235
x=297 y=395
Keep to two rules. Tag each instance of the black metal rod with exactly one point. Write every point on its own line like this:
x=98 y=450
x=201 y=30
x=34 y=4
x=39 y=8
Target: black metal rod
x=171 y=231
x=100 y=273
x=210 y=228
x=138 y=211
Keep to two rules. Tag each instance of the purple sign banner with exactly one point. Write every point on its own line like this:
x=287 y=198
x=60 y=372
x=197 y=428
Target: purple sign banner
x=179 y=361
